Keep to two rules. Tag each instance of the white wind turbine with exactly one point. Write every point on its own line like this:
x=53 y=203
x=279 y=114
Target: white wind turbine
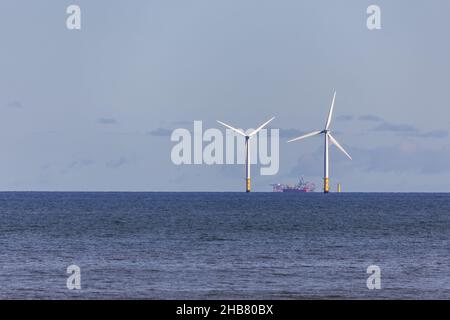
x=247 y=148
x=328 y=137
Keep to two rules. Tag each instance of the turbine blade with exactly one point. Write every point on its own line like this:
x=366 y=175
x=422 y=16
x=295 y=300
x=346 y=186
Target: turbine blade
x=330 y=114
x=306 y=136
x=230 y=127
x=334 y=141
x=260 y=127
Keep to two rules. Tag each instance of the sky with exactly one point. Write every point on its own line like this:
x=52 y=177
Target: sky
x=93 y=109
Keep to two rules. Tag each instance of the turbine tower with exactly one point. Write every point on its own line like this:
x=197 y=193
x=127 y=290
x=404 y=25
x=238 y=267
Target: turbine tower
x=247 y=148
x=328 y=138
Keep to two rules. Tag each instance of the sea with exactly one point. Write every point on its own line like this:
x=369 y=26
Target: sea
x=224 y=245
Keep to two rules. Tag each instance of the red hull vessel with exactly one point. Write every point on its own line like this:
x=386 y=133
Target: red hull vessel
x=301 y=186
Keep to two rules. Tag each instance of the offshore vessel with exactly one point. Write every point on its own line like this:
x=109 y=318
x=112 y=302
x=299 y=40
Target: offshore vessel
x=301 y=186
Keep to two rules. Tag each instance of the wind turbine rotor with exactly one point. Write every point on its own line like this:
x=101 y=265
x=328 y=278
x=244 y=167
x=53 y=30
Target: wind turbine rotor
x=328 y=139
x=334 y=141
x=232 y=128
x=260 y=127
x=247 y=148
x=330 y=114
x=311 y=134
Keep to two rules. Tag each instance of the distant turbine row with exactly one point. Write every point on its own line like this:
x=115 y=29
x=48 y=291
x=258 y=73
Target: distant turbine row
x=328 y=138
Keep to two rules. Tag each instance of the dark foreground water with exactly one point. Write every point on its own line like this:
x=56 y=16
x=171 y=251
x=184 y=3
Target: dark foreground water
x=224 y=245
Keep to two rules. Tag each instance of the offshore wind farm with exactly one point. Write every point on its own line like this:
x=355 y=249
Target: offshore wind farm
x=117 y=181
x=328 y=137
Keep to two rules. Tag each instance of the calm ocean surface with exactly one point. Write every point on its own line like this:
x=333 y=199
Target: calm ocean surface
x=224 y=245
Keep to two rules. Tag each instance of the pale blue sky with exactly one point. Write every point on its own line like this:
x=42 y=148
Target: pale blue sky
x=90 y=109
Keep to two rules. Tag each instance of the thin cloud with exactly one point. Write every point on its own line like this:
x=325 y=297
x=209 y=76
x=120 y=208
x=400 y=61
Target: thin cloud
x=77 y=164
x=392 y=127
x=160 y=132
x=14 y=105
x=400 y=158
x=117 y=163
x=106 y=121
x=438 y=134
x=410 y=131
x=182 y=123
x=80 y=163
x=345 y=118
x=403 y=158
x=291 y=133
x=370 y=118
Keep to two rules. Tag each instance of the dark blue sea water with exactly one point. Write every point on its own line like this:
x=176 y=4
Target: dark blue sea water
x=224 y=245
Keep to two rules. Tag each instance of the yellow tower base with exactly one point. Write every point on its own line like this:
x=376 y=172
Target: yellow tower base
x=247 y=185
x=326 y=185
